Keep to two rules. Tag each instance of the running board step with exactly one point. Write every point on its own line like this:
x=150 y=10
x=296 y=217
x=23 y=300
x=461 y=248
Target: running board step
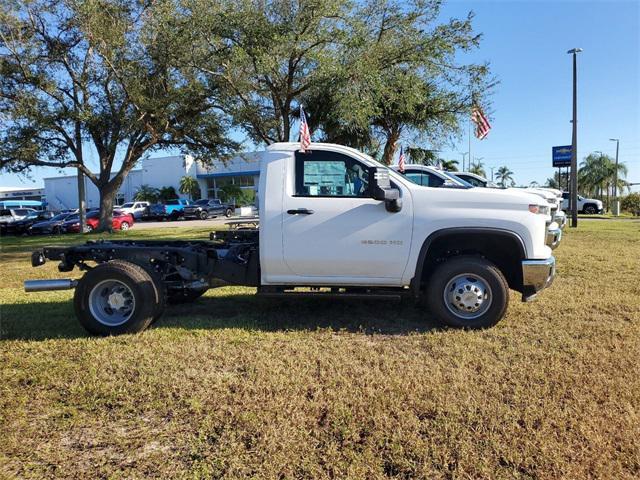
x=331 y=295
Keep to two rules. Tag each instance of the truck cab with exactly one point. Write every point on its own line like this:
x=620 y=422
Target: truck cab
x=333 y=223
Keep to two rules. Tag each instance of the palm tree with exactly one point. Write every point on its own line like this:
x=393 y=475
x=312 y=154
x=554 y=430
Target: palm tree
x=597 y=174
x=189 y=186
x=146 y=194
x=504 y=176
x=478 y=169
x=449 y=165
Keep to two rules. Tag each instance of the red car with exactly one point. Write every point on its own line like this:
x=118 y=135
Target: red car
x=120 y=221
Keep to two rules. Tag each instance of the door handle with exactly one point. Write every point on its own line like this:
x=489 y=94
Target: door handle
x=300 y=211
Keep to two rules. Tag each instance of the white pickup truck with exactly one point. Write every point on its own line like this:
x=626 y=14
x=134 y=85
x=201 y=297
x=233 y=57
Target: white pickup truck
x=333 y=223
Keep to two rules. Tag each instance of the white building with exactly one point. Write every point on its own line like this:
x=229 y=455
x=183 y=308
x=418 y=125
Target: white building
x=242 y=170
x=21 y=193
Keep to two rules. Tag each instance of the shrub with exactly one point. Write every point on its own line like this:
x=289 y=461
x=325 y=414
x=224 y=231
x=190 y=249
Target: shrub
x=631 y=203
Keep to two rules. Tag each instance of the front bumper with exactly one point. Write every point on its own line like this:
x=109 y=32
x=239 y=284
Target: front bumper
x=560 y=218
x=536 y=276
x=554 y=236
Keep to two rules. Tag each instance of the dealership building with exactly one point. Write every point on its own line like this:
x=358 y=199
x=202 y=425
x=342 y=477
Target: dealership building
x=243 y=170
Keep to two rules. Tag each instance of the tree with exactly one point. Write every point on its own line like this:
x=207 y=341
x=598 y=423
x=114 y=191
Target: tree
x=167 y=193
x=189 y=186
x=597 y=175
x=478 y=169
x=265 y=56
x=400 y=77
x=421 y=156
x=504 y=176
x=233 y=194
x=100 y=76
x=559 y=181
x=146 y=193
x=450 y=165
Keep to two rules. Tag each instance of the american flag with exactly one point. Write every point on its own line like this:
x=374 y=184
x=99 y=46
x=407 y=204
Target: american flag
x=401 y=161
x=482 y=123
x=305 y=136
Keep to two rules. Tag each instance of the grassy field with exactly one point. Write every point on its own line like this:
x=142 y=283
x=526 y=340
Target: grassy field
x=235 y=387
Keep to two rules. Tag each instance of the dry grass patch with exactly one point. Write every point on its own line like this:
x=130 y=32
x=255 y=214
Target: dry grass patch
x=233 y=386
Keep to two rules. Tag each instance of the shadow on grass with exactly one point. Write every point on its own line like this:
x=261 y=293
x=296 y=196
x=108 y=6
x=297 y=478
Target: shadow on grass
x=42 y=321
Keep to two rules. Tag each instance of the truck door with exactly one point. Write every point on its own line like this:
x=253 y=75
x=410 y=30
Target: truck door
x=333 y=231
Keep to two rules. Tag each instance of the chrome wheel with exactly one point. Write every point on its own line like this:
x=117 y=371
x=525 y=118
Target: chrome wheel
x=467 y=296
x=111 y=303
x=124 y=226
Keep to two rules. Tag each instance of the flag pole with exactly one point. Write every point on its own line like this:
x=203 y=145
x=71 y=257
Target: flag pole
x=469 y=144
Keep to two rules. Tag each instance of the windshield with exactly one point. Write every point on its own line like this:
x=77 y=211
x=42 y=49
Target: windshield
x=453 y=177
x=73 y=217
x=202 y=202
x=5 y=213
x=60 y=216
x=127 y=205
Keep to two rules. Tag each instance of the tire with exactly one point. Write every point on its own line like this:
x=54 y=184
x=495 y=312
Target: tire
x=56 y=231
x=204 y=215
x=459 y=282
x=590 y=209
x=228 y=212
x=124 y=226
x=185 y=296
x=139 y=299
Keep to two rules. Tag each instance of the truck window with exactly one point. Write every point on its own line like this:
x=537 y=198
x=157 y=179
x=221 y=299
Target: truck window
x=330 y=174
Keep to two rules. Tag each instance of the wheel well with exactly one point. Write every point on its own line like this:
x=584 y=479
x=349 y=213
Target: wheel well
x=504 y=249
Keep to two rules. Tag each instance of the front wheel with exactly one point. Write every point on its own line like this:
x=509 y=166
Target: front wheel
x=117 y=297
x=228 y=212
x=468 y=292
x=204 y=215
x=590 y=210
x=124 y=226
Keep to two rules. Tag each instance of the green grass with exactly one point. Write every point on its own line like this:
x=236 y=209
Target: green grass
x=234 y=386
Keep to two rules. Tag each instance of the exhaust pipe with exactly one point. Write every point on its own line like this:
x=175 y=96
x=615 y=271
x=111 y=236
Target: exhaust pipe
x=49 y=285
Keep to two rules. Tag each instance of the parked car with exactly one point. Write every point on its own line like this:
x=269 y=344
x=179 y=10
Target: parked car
x=8 y=215
x=334 y=224
x=430 y=176
x=207 y=208
x=175 y=208
x=589 y=206
x=52 y=226
x=155 y=211
x=119 y=221
x=21 y=227
x=136 y=209
x=475 y=180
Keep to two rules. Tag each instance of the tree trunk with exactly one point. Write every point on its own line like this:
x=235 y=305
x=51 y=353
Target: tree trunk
x=107 y=196
x=390 y=147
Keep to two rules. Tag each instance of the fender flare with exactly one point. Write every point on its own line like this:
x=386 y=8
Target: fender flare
x=424 y=250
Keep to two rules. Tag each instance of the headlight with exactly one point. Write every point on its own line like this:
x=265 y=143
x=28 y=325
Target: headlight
x=539 y=209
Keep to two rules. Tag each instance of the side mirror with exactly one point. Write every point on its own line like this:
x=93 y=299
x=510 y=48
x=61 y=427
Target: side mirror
x=380 y=188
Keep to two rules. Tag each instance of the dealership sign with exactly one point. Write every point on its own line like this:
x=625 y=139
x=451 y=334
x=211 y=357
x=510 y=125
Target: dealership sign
x=561 y=156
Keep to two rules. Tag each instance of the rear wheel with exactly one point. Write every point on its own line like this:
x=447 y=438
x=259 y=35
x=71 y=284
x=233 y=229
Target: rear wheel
x=468 y=292
x=228 y=212
x=204 y=215
x=590 y=209
x=117 y=297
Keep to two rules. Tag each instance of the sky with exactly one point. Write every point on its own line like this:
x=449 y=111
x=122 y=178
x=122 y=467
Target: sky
x=525 y=43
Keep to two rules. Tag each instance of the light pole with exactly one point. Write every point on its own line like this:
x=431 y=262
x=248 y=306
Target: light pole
x=464 y=154
x=574 y=142
x=616 y=204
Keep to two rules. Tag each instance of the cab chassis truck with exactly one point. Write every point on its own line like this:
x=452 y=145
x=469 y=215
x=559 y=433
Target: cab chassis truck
x=333 y=223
